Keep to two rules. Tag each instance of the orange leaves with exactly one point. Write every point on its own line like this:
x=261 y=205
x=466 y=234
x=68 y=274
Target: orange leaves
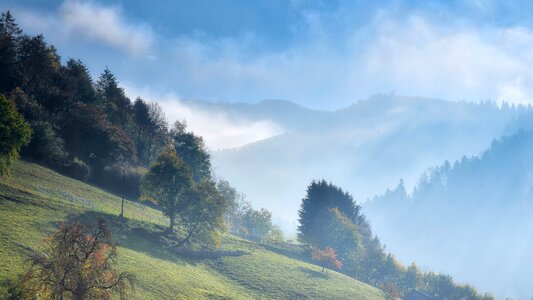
x=326 y=258
x=78 y=262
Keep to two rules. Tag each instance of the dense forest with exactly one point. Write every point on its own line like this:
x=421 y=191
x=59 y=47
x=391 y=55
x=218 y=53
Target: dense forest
x=90 y=130
x=464 y=201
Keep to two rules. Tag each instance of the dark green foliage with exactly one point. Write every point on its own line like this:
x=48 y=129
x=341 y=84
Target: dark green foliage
x=79 y=126
x=45 y=145
x=341 y=234
x=77 y=84
x=10 y=35
x=197 y=206
x=117 y=105
x=320 y=197
x=330 y=218
x=191 y=149
x=141 y=118
x=14 y=133
x=30 y=108
x=202 y=215
x=95 y=140
x=39 y=72
x=167 y=184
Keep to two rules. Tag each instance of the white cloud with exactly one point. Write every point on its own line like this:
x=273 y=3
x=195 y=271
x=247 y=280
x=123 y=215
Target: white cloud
x=325 y=67
x=88 y=20
x=408 y=54
x=218 y=129
x=105 y=24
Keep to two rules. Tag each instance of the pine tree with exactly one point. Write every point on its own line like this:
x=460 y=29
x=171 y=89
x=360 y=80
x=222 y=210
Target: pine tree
x=320 y=197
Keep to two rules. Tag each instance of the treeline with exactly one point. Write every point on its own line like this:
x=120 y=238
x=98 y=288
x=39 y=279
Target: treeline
x=83 y=128
x=334 y=225
x=482 y=201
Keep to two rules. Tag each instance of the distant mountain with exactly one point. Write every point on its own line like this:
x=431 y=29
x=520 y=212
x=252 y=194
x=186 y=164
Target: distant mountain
x=476 y=212
x=364 y=148
x=288 y=115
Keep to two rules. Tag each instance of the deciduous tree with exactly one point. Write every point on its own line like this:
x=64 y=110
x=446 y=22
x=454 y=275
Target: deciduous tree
x=14 y=133
x=78 y=263
x=168 y=183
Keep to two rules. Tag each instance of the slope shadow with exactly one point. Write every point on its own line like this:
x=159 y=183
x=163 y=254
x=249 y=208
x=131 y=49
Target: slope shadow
x=139 y=236
x=314 y=274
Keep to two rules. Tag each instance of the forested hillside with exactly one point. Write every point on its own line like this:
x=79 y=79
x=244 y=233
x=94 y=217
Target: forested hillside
x=364 y=148
x=476 y=210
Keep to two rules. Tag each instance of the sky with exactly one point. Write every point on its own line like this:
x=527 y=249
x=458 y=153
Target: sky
x=319 y=54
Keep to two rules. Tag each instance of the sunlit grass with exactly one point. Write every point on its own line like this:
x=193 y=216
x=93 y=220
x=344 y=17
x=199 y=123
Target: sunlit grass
x=34 y=200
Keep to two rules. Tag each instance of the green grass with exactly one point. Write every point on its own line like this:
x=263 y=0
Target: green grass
x=34 y=200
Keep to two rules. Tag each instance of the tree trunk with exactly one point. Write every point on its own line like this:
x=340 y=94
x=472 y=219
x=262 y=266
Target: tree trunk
x=186 y=239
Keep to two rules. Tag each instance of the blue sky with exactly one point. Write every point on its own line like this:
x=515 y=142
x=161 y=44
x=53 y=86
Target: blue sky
x=320 y=54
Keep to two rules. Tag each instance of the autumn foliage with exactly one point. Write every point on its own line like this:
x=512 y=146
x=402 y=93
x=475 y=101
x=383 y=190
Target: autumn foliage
x=326 y=258
x=77 y=264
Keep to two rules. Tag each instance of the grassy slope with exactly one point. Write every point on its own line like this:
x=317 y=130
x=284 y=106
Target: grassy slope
x=34 y=200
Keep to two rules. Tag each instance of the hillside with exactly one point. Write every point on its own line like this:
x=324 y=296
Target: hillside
x=481 y=209
x=34 y=200
x=364 y=148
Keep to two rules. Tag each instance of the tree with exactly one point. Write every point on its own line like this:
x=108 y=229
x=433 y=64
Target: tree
x=202 y=214
x=235 y=205
x=141 y=118
x=117 y=105
x=77 y=84
x=157 y=130
x=78 y=262
x=15 y=132
x=258 y=223
x=167 y=183
x=191 y=149
x=326 y=258
x=341 y=234
x=39 y=68
x=275 y=235
x=94 y=139
x=9 y=42
x=320 y=197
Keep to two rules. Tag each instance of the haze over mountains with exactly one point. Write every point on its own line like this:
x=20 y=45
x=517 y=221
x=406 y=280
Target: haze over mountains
x=478 y=218
x=472 y=212
x=364 y=148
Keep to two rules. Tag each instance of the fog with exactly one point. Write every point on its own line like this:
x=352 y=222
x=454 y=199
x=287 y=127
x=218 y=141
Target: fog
x=474 y=227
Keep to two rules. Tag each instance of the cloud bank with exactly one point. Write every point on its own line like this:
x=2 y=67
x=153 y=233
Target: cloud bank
x=91 y=21
x=105 y=24
x=219 y=130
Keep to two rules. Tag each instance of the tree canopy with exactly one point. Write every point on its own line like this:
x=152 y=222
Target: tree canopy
x=167 y=184
x=14 y=133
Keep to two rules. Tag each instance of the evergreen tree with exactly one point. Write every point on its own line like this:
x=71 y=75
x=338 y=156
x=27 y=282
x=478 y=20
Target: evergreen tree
x=141 y=118
x=10 y=35
x=116 y=104
x=320 y=197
